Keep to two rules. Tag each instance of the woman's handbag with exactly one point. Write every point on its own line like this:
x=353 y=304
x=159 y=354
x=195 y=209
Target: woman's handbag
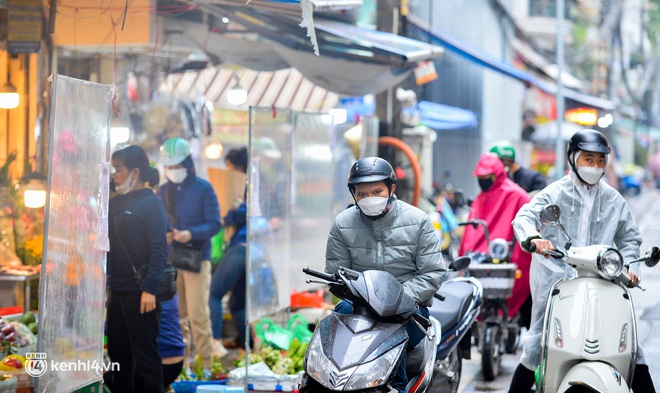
x=167 y=285
x=185 y=257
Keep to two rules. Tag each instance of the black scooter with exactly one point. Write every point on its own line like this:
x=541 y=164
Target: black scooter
x=361 y=351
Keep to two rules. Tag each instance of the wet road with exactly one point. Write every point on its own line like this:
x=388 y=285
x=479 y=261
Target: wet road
x=646 y=209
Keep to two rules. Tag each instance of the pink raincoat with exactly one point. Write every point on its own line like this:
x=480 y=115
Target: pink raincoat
x=498 y=207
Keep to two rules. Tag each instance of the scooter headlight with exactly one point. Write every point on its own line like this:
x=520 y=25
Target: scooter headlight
x=610 y=263
x=376 y=372
x=317 y=364
x=372 y=374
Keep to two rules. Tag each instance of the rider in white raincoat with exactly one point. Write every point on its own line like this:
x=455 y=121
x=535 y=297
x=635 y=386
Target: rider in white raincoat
x=592 y=213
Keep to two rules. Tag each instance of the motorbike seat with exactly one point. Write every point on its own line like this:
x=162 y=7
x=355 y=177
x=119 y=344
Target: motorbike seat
x=458 y=295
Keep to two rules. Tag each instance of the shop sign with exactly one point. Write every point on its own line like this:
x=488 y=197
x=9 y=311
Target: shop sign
x=425 y=72
x=24 y=26
x=582 y=116
x=541 y=103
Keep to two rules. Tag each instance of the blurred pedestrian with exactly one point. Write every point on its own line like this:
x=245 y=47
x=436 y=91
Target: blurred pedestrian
x=194 y=216
x=230 y=274
x=138 y=242
x=170 y=341
x=530 y=180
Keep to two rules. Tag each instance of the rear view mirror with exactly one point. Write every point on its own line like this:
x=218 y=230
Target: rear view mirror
x=460 y=263
x=653 y=255
x=550 y=213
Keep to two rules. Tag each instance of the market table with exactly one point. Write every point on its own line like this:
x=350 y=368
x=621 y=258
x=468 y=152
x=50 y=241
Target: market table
x=26 y=280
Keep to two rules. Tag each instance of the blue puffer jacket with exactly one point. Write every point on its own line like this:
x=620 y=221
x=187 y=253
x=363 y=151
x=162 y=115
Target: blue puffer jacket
x=197 y=210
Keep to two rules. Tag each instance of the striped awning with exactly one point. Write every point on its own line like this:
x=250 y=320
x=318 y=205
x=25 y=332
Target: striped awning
x=285 y=88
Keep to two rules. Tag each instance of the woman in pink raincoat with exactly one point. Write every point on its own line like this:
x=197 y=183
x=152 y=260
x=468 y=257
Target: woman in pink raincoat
x=497 y=204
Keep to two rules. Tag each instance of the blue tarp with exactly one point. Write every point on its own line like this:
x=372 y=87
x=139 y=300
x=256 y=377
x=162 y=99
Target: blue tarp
x=442 y=117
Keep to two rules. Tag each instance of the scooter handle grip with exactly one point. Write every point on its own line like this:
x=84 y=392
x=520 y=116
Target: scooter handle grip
x=318 y=274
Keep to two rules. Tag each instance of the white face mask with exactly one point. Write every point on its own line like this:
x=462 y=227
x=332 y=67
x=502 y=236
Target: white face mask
x=177 y=175
x=126 y=186
x=590 y=174
x=372 y=206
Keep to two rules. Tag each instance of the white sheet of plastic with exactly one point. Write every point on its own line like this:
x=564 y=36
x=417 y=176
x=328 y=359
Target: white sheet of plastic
x=290 y=204
x=269 y=203
x=71 y=310
x=312 y=208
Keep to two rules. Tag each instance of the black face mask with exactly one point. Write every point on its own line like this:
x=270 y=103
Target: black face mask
x=485 y=184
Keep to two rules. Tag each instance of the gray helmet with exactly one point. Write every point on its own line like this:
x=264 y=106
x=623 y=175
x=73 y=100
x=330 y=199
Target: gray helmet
x=371 y=169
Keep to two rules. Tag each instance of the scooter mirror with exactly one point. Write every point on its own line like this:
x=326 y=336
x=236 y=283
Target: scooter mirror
x=460 y=263
x=653 y=255
x=550 y=213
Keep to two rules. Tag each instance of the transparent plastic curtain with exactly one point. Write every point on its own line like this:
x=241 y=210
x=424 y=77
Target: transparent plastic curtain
x=269 y=203
x=71 y=310
x=290 y=202
x=312 y=203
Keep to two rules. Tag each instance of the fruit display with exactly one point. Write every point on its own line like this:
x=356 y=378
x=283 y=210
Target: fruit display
x=16 y=336
x=7 y=336
x=12 y=363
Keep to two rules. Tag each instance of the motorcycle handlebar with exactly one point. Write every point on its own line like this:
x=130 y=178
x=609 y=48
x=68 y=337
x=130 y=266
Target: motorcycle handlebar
x=319 y=274
x=553 y=253
x=475 y=224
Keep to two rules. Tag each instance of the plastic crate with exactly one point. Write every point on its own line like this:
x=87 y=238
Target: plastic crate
x=496 y=279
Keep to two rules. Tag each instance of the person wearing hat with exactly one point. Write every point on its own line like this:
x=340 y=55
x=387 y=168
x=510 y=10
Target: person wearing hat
x=381 y=232
x=497 y=204
x=595 y=213
x=194 y=218
x=530 y=180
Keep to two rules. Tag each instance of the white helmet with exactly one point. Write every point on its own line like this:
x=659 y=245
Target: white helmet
x=174 y=151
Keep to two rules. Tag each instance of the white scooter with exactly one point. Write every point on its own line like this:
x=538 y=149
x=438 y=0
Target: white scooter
x=589 y=339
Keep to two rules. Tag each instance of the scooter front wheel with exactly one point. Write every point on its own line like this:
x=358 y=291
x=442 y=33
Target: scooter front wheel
x=491 y=353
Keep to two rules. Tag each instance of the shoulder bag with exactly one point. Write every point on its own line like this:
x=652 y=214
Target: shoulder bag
x=185 y=256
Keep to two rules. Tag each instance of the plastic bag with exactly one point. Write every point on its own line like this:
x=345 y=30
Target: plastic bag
x=272 y=334
x=299 y=326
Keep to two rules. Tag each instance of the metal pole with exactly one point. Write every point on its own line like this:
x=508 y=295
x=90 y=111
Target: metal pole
x=559 y=143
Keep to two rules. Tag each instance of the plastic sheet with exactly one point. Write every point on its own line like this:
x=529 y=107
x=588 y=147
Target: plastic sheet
x=75 y=235
x=269 y=203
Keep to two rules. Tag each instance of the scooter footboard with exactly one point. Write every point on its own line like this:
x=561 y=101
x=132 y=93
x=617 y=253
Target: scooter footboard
x=598 y=376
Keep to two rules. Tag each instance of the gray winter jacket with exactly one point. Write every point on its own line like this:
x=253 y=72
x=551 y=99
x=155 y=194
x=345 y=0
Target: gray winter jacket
x=403 y=243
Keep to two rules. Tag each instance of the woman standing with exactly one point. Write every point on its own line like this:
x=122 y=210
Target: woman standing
x=192 y=208
x=138 y=243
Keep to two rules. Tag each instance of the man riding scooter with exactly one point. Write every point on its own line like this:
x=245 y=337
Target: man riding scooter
x=595 y=214
x=384 y=233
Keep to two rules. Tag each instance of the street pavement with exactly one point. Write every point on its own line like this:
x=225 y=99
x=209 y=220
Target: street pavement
x=646 y=209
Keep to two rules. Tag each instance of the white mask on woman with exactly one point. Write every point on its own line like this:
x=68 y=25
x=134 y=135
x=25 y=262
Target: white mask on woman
x=126 y=186
x=177 y=175
x=372 y=206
